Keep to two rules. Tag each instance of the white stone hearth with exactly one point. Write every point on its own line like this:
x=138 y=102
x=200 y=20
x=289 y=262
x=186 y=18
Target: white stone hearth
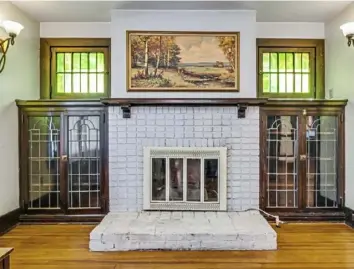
x=183 y=231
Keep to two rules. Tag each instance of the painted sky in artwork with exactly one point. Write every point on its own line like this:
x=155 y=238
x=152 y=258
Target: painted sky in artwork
x=196 y=49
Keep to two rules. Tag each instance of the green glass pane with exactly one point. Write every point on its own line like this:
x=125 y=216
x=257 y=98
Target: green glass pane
x=100 y=83
x=298 y=83
x=298 y=62
x=67 y=85
x=76 y=62
x=282 y=64
x=306 y=62
x=76 y=83
x=60 y=82
x=305 y=83
x=100 y=62
x=67 y=65
x=289 y=83
x=84 y=83
x=273 y=83
x=60 y=62
x=265 y=62
x=93 y=62
x=92 y=83
x=266 y=84
x=289 y=62
x=282 y=82
x=84 y=62
x=274 y=62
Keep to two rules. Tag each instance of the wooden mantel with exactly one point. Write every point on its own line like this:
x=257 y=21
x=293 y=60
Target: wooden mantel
x=184 y=101
x=241 y=103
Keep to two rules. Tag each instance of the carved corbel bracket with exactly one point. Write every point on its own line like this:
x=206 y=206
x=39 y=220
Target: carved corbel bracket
x=126 y=111
x=241 y=111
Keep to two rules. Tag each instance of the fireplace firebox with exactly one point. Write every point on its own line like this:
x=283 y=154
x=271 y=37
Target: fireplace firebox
x=185 y=178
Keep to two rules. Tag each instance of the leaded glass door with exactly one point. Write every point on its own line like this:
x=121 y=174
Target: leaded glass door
x=64 y=169
x=301 y=153
x=44 y=139
x=84 y=167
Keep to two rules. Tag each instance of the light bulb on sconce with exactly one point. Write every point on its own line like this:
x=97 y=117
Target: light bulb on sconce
x=13 y=29
x=348 y=32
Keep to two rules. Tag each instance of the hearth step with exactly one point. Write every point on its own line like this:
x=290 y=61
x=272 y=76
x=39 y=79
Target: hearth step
x=183 y=231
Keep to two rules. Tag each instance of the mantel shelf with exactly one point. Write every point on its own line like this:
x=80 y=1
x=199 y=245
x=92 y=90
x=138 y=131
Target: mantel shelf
x=184 y=101
x=241 y=103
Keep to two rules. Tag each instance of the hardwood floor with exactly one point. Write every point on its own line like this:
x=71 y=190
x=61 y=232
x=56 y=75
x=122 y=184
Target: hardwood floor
x=302 y=246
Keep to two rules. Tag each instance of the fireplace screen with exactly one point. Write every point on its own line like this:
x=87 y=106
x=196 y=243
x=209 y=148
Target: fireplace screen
x=185 y=178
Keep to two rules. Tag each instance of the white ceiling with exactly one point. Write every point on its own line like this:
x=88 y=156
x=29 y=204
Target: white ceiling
x=99 y=11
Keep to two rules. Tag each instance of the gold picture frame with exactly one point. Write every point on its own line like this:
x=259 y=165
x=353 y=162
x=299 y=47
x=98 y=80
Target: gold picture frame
x=183 y=61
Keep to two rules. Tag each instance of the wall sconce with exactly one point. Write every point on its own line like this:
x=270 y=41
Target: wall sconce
x=13 y=29
x=348 y=32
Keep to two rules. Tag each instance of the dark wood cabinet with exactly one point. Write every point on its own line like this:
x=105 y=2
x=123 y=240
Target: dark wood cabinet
x=302 y=158
x=63 y=158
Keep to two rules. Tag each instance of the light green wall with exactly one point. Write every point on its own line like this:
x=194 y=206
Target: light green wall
x=19 y=80
x=340 y=78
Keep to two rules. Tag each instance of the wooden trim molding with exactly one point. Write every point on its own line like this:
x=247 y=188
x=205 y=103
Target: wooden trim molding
x=306 y=103
x=241 y=103
x=308 y=216
x=55 y=218
x=349 y=216
x=9 y=221
x=58 y=103
x=46 y=44
x=317 y=44
x=184 y=101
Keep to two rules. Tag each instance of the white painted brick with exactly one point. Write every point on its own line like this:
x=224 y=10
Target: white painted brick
x=183 y=231
x=187 y=127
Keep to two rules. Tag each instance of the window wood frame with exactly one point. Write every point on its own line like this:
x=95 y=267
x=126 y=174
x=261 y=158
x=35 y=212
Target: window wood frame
x=280 y=45
x=70 y=45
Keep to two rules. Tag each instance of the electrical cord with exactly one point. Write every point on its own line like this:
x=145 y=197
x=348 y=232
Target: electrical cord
x=277 y=219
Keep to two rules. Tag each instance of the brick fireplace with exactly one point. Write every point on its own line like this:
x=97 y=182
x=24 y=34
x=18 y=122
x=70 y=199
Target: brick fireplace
x=169 y=126
x=181 y=217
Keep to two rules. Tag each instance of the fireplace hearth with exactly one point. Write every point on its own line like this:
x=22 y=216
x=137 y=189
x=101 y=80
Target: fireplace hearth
x=182 y=177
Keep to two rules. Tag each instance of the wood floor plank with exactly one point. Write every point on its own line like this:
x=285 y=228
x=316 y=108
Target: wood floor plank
x=310 y=245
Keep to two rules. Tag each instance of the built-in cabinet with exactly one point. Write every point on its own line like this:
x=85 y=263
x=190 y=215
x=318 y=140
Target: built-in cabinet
x=302 y=158
x=63 y=158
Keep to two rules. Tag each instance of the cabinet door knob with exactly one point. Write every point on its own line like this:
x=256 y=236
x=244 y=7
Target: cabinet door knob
x=64 y=157
x=303 y=157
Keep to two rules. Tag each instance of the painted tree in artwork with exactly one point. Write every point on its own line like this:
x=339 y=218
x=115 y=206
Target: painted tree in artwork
x=228 y=46
x=145 y=41
x=137 y=49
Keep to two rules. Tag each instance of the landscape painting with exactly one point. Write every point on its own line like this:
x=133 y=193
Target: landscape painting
x=182 y=61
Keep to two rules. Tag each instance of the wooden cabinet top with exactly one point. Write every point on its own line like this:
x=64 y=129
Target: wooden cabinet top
x=4 y=252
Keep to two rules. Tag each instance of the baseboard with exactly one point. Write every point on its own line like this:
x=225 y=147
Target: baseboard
x=9 y=221
x=47 y=219
x=349 y=216
x=309 y=216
